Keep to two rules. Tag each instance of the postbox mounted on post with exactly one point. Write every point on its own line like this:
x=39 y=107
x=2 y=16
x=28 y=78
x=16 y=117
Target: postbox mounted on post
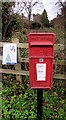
x=41 y=53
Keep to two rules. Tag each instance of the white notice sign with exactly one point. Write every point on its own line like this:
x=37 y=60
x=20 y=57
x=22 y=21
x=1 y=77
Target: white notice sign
x=9 y=53
x=41 y=71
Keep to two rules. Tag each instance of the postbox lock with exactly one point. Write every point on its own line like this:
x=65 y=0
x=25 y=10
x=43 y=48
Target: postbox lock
x=40 y=59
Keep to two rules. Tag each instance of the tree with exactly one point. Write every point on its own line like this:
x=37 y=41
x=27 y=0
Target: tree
x=6 y=17
x=9 y=20
x=62 y=6
x=27 y=6
x=44 y=19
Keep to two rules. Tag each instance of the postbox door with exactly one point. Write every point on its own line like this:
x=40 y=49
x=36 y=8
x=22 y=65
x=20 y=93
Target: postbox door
x=43 y=74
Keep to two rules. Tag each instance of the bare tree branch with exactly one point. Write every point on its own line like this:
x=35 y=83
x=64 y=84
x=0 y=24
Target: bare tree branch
x=28 y=6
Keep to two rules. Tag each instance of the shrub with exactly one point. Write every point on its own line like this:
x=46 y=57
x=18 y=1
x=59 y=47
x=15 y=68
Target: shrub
x=35 y=25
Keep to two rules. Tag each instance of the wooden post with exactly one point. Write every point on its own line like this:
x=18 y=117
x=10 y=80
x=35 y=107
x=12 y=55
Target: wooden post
x=18 y=65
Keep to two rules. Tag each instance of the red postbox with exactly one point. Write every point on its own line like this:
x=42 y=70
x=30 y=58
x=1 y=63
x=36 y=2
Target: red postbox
x=41 y=53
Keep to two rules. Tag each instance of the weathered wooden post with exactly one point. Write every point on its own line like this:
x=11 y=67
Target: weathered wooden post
x=18 y=65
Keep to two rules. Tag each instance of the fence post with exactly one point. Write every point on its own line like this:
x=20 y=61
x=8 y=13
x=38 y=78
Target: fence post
x=18 y=65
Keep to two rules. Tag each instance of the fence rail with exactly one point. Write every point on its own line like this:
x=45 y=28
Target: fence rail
x=25 y=45
x=26 y=60
x=14 y=72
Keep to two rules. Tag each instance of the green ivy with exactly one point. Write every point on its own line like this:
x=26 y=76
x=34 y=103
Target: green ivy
x=19 y=101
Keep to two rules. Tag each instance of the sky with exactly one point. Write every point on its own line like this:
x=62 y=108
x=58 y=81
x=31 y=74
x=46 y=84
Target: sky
x=51 y=8
x=50 y=5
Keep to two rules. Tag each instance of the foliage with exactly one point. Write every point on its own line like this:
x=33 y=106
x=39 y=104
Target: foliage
x=15 y=22
x=19 y=101
x=44 y=19
x=53 y=104
x=35 y=25
x=10 y=21
x=6 y=8
x=0 y=97
x=59 y=34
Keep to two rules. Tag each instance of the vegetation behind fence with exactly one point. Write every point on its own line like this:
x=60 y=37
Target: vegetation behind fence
x=22 y=53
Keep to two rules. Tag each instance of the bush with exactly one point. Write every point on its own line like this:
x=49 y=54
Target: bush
x=35 y=25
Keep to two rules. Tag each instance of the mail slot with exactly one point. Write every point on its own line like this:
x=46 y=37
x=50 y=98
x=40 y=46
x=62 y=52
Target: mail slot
x=41 y=53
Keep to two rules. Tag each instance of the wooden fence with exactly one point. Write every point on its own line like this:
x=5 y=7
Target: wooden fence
x=18 y=70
